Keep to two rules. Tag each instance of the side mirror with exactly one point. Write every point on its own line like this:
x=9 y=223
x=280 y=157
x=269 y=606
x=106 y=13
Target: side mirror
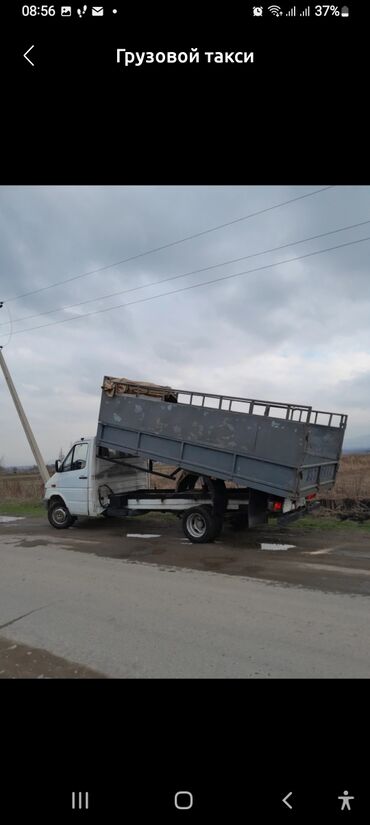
x=57 y=466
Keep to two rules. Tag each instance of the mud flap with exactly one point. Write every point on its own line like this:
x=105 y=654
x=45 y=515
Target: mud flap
x=303 y=511
x=257 y=508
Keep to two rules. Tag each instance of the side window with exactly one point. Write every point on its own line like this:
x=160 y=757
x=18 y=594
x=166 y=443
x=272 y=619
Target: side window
x=79 y=457
x=67 y=463
x=76 y=458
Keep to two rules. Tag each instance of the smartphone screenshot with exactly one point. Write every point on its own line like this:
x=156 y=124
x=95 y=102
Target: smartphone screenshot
x=184 y=425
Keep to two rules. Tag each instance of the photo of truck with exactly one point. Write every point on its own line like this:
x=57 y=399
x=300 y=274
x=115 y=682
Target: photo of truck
x=233 y=458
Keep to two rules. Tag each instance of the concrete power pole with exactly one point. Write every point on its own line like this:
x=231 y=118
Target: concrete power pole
x=43 y=470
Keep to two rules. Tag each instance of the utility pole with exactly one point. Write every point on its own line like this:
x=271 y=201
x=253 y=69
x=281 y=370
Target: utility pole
x=43 y=470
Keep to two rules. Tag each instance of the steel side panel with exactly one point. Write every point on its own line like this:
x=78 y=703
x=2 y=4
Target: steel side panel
x=264 y=436
x=265 y=453
x=323 y=441
x=262 y=475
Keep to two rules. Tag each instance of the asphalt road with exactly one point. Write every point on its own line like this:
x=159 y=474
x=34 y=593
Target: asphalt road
x=132 y=619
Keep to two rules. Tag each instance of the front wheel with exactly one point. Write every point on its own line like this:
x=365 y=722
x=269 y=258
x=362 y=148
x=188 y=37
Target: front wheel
x=59 y=516
x=201 y=525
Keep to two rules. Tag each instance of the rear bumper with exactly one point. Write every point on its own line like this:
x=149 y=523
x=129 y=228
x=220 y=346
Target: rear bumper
x=296 y=514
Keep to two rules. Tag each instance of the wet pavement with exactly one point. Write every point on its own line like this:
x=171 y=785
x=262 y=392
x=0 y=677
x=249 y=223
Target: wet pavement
x=134 y=598
x=336 y=560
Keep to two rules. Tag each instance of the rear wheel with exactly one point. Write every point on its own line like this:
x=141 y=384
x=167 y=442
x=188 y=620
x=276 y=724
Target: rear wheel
x=201 y=525
x=59 y=516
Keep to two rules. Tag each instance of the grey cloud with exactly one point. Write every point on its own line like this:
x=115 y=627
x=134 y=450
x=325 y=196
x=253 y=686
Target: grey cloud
x=292 y=321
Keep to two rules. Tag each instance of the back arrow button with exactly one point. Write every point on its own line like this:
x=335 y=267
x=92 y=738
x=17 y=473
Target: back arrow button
x=285 y=800
x=26 y=53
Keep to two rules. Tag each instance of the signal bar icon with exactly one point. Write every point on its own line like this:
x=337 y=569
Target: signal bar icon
x=80 y=801
x=292 y=12
x=305 y=12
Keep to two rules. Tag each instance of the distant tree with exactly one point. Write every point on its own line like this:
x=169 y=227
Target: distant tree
x=61 y=454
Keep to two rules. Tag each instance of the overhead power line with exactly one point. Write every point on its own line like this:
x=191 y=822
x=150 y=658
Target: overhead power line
x=186 y=274
x=194 y=286
x=172 y=243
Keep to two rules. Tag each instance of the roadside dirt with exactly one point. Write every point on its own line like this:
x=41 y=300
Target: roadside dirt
x=22 y=662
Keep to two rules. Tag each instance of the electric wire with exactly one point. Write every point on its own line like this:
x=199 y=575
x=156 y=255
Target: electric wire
x=193 y=286
x=186 y=274
x=171 y=244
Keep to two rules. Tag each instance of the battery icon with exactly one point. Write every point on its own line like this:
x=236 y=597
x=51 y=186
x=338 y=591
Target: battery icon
x=344 y=11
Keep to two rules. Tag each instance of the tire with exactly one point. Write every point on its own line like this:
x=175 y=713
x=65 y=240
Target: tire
x=59 y=516
x=200 y=525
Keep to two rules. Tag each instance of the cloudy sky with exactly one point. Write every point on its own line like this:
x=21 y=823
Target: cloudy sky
x=296 y=332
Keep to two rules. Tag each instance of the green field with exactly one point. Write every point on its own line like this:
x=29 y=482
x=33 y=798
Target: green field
x=329 y=523
x=22 y=508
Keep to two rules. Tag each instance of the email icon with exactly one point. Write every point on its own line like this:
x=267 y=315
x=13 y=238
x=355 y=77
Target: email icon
x=97 y=11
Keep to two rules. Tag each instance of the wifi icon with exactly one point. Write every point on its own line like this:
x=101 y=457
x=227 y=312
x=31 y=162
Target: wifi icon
x=275 y=10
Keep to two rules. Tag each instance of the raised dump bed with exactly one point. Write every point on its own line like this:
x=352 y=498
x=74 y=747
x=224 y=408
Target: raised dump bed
x=281 y=449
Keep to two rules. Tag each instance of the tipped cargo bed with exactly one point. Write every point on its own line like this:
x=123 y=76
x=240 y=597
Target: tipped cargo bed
x=281 y=449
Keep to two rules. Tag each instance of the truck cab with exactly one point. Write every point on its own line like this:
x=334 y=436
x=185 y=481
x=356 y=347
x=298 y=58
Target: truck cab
x=81 y=482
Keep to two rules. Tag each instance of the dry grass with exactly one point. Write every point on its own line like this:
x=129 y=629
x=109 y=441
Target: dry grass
x=22 y=487
x=353 y=481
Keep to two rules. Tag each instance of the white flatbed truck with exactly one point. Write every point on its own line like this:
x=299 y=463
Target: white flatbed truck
x=278 y=457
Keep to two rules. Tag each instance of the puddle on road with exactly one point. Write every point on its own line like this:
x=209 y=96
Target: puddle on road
x=4 y=519
x=33 y=543
x=143 y=535
x=270 y=546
